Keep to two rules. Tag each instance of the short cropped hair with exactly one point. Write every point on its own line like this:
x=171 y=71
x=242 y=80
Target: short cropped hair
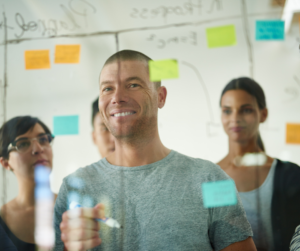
x=130 y=55
x=95 y=110
x=14 y=128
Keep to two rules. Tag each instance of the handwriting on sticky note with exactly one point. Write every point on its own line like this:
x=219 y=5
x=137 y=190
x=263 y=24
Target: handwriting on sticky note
x=269 y=30
x=37 y=59
x=221 y=36
x=292 y=133
x=163 y=69
x=219 y=193
x=66 y=125
x=67 y=54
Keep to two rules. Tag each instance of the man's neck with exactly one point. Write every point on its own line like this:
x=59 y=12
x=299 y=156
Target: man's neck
x=138 y=153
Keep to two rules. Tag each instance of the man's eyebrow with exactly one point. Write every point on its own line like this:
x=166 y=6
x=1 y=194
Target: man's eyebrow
x=105 y=83
x=135 y=78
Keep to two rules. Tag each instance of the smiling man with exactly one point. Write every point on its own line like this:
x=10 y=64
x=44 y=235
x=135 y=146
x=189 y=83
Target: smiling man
x=152 y=191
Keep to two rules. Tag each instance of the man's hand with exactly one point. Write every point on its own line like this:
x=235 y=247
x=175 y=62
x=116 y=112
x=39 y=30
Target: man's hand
x=79 y=229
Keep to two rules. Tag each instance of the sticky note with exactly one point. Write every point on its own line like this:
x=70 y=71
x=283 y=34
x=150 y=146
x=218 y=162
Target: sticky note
x=292 y=133
x=163 y=69
x=37 y=59
x=219 y=193
x=65 y=125
x=221 y=36
x=269 y=30
x=67 y=54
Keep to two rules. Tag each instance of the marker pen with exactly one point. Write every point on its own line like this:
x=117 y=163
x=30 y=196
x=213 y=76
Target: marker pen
x=108 y=221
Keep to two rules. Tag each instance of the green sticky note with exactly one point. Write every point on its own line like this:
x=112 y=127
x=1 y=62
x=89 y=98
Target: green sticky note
x=65 y=125
x=163 y=69
x=221 y=36
x=219 y=193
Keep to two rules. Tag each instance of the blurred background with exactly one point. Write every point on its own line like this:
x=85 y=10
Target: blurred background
x=213 y=41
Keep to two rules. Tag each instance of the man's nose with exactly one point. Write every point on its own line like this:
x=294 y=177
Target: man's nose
x=36 y=147
x=119 y=96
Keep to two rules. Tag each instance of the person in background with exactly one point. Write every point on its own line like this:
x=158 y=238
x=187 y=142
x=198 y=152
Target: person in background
x=25 y=142
x=270 y=191
x=102 y=137
x=153 y=192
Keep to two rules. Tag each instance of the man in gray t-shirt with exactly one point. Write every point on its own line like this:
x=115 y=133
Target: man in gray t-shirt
x=153 y=192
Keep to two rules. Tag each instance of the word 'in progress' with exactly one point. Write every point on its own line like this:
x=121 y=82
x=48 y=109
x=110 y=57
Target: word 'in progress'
x=67 y=54
x=188 y=8
x=221 y=36
x=161 y=43
x=292 y=133
x=163 y=69
x=37 y=59
x=219 y=193
x=66 y=125
x=269 y=30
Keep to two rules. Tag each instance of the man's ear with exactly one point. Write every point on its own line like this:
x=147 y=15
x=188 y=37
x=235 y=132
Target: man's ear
x=4 y=163
x=263 y=115
x=161 y=96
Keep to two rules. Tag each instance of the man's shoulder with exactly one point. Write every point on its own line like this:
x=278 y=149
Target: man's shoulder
x=197 y=164
x=86 y=172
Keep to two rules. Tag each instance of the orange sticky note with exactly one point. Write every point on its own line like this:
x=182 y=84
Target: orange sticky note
x=293 y=133
x=67 y=54
x=37 y=59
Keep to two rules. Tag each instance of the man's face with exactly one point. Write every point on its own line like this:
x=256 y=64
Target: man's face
x=128 y=100
x=102 y=137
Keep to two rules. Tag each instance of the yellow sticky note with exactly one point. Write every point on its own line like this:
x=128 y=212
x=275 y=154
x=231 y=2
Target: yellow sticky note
x=37 y=59
x=67 y=54
x=292 y=133
x=221 y=36
x=163 y=69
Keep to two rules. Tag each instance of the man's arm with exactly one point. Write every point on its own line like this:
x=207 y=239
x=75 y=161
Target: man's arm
x=246 y=245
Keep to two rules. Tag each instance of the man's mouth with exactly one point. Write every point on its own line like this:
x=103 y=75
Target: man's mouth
x=122 y=114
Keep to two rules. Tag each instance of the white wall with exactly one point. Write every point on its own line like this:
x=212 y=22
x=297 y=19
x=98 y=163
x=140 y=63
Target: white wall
x=70 y=89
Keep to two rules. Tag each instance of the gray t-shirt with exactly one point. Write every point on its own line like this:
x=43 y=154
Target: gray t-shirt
x=159 y=205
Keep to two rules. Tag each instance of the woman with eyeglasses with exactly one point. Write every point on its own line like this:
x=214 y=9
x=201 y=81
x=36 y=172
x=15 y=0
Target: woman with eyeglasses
x=25 y=142
x=268 y=187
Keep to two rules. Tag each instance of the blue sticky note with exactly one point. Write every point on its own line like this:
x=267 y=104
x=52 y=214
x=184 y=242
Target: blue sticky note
x=270 y=30
x=65 y=125
x=219 y=193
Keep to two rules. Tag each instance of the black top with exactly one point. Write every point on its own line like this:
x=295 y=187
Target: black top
x=9 y=242
x=285 y=204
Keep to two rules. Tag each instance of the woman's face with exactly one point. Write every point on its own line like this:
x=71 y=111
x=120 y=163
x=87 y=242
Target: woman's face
x=241 y=115
x=23 y=164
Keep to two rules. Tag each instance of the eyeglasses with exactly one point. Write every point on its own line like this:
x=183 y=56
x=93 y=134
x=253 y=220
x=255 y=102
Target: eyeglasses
x=22 y=145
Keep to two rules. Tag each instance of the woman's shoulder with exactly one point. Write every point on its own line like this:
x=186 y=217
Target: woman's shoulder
x=287 y=166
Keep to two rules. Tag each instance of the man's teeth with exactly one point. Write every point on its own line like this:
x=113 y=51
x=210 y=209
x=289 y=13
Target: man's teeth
x=122 y=114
